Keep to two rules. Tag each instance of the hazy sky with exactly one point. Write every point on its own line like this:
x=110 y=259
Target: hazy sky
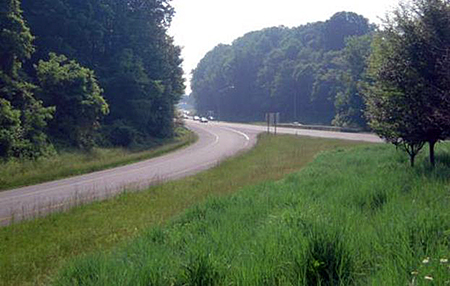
x=200 y=25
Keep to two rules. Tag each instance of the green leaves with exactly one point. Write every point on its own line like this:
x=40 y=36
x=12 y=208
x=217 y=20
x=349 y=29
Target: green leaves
x=78 y=99
x=126 y=44
x=411 y=87
x=349 y=103
x=16 y=39
x=22 y=117
x=10 y=123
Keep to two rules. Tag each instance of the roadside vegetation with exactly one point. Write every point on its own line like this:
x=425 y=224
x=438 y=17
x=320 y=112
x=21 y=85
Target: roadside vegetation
x=32 y=252
x=352 y=217
x=366 y=215
x=96 y=86
x=22 y=172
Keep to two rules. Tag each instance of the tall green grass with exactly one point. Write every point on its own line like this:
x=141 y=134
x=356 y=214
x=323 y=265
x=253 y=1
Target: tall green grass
x=31 y=252
x=16 y=173
x=359 y=217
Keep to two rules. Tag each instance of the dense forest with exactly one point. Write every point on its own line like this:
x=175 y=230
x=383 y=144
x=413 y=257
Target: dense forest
x=309 y=74
x=344 y=71
x=84 y=73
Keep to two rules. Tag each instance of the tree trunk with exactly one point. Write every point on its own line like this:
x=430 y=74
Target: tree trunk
x=412 y=158
x=432 y=159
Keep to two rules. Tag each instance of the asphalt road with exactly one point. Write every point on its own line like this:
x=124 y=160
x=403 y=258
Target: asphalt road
x=366 y=137
x=217 y=141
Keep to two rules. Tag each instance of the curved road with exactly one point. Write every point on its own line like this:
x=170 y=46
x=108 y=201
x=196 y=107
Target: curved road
x=217 y=141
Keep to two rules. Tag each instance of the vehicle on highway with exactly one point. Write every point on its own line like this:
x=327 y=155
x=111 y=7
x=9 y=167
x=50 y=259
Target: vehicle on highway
x=204 y=120
x=211 y=118
x=196 y=118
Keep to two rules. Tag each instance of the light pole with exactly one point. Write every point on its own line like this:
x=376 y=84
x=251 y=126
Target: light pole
x=295 y=106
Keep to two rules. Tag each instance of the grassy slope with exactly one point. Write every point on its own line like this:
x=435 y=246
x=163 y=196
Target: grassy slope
x=31 y=251
x=21 y=173
x=359 y=217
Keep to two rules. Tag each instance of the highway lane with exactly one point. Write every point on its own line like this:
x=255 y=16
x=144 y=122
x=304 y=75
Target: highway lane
x=365 y=137
x=217 y=141
x=215 y=144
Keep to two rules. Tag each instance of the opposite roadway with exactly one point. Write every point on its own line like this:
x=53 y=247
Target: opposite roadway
x=217 y=141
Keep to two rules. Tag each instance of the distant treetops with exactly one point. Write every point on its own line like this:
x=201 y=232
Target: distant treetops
x=309 y=73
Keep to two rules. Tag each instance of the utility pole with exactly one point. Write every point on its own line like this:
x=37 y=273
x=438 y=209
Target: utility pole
x=295 y=106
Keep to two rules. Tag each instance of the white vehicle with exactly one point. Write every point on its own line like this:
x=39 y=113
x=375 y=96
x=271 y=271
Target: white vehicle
x=196 y=118
x=203 y=120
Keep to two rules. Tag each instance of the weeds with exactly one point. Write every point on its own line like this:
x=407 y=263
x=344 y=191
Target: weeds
x=16 y=173
x=32 y=252
x=346 y=219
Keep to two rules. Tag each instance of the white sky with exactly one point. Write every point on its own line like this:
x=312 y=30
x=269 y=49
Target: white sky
x=200 y=25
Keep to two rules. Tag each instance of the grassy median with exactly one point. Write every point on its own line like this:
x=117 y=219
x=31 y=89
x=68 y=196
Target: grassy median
x=16 y=173
x=32 y=252
x=359 y=217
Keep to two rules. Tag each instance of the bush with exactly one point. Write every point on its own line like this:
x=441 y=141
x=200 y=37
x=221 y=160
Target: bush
x=122 y=134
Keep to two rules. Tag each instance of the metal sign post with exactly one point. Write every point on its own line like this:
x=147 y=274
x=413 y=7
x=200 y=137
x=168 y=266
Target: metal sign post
x=272 y=119
x=276 y=121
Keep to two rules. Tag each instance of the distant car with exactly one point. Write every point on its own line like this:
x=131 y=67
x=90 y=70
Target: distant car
x=204 y=120
x=196 y=118
x=211 y=118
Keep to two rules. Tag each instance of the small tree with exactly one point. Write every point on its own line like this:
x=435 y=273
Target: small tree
x=74 y=91
x=393 y=119
x=409 y=102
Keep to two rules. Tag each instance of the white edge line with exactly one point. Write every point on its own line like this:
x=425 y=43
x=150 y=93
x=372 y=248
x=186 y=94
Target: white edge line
x=131 y=171
x=200 y=169
x=106 y=176
x=238 y=132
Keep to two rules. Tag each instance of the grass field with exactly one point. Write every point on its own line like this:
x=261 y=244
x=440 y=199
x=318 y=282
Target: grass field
x=358 y=217
x=32 y=252
x=18 y=173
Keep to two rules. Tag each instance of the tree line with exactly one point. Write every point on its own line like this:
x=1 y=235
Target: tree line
x=393 y=79
x=308 y=73
x=84 y=73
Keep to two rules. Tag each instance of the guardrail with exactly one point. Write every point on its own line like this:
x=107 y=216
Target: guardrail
x=321 y=127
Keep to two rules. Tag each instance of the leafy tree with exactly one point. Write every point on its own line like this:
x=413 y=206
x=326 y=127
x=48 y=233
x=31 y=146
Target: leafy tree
x=126 y=43
x=392 y=117
x=210 y=83
x=340 y=26
x=10 y=128
x=410 y=99
x=74 y=91
x=350 y=105
x=16 y=44
x=22 y=117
